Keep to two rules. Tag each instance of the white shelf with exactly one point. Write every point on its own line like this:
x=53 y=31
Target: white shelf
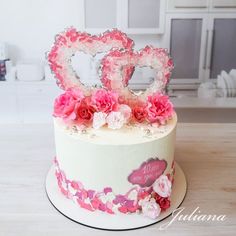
x=204 y=103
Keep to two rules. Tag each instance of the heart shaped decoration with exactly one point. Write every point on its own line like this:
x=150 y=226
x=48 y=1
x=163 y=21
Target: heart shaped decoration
x=148 y=172
x=69 y=42
x=113 y=64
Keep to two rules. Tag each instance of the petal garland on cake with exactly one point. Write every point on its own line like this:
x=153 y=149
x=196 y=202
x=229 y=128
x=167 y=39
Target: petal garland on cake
x=146 y=200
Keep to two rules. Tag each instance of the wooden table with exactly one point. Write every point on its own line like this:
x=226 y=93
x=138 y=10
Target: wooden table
x=206 y=152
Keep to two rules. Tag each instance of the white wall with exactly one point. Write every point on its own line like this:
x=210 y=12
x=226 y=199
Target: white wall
x=29 y=26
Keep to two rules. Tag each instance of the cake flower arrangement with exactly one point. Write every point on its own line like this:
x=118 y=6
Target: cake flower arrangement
x=106 y=108
x=112 y=106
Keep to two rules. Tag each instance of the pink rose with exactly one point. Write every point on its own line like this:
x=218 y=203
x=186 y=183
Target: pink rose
x=159 y=108
x=162 y=186
x=99 y=119
x=104 y=101
x=115 y=120
x=65 y=105
x=151 y=209
x=84 y=112
x=139 y=113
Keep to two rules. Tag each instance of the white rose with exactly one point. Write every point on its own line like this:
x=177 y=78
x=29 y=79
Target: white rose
x=99 y=119
x=162 y=186
x=115 y=120
x=125 y=111
x=151 y=209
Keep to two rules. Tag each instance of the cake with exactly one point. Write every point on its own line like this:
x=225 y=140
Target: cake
x=114 y=146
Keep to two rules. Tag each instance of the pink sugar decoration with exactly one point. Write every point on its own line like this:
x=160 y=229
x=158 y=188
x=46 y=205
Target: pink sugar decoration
x=92 y=197
x=90 y=193
x=107 y=190
x=123 y=209
x=70 y=41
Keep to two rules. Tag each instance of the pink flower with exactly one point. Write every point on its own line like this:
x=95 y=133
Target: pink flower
x=65 y=105
x=139 y=113
x=151 y=209
x=115 y=120
x=84 y=112
x=162 y=186
x=104 y=101
x=99 y=119
x=159 y=108
x=164 y=202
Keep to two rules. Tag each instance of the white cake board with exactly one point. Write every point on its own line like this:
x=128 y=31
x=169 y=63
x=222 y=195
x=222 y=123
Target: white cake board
x=101 y=220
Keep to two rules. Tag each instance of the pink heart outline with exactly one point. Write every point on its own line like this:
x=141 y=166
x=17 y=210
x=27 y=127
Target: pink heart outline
x=156 y=58
x=70 y=41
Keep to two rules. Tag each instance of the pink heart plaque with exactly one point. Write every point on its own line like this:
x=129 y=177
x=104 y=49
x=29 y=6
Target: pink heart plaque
x=148 y=172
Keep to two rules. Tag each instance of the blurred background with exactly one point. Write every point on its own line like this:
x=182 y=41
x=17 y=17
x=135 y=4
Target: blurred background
x=199 y=34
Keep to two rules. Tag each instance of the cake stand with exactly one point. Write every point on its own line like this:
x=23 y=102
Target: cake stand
x=101 y=220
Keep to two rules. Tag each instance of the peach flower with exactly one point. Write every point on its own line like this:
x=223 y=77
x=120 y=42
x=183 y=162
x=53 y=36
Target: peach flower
x=139 y=113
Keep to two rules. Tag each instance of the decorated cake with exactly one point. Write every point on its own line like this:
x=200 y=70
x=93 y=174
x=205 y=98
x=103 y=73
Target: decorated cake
x=114 y=146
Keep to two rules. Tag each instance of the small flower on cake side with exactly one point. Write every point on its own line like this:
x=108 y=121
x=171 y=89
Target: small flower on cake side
x=162 y=186
x=151 y=208
x=150 y=201
x=158 y=199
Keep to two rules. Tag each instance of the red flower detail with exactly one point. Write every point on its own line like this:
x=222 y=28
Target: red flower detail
x=123 y=209
x=139 y=113
x=164 y=202
x=84 y=112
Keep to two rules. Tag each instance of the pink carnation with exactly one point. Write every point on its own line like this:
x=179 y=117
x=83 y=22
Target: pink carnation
x=159 y=108
x=104 y=101
x=65 y=105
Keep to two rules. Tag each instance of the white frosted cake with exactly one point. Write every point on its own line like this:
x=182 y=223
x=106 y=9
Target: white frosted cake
x=114 y=147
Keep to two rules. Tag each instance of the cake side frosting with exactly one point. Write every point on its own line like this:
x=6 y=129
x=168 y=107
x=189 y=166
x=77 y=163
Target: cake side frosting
x=122 y=168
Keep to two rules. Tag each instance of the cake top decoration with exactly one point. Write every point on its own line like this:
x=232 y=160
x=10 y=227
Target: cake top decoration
x=113 y=104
